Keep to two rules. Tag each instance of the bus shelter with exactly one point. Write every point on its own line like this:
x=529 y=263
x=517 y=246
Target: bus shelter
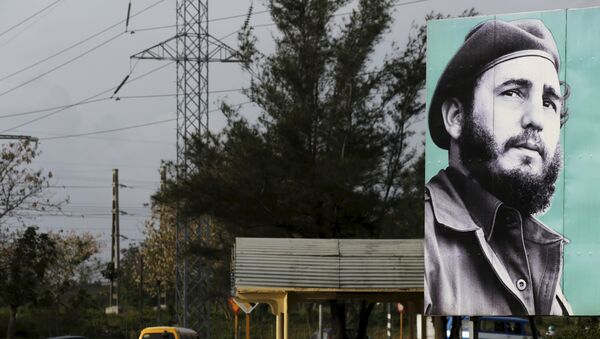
x=281 y=271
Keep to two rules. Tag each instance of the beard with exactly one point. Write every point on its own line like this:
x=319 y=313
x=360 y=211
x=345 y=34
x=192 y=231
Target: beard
x=527 y=193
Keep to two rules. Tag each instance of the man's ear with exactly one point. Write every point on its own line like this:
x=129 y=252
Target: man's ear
x=453 y=114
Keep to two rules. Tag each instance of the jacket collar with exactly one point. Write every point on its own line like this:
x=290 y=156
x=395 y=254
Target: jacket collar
x=451 y=192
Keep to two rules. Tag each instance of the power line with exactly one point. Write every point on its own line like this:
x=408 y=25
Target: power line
x=145 y=141
x=127 y=127
x=102 y=187
x=110 y=130
x=237 y=16
x=79 y=42
x=10 y=115
x=152 y=28
x=336 y=15
x=61 y=65
x=84 y=100
x=101 y=179
x=339 y=14
x=33 y=22
x=28 y=18
x=210 y=20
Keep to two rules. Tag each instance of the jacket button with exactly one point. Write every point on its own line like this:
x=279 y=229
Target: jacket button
x=521 y=284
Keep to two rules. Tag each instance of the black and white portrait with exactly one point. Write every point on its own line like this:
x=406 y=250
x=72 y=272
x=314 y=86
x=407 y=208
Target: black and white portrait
x=498 y=109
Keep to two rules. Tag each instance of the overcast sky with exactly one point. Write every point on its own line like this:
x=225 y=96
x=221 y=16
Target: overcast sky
x=83 y=164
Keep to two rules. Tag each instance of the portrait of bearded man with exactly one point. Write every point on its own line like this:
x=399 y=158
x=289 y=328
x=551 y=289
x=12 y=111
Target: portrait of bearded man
x=498 y=109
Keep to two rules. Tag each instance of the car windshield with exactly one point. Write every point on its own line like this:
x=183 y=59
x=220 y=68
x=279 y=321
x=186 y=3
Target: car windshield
x=164 y=335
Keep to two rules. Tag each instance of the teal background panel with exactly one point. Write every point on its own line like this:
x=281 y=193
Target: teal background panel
x=575 y=203
x=444 y=37
x=582 y=162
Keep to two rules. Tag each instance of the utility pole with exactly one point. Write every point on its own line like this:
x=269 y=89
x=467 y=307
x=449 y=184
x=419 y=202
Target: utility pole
x=141 y=288
x=192 y=48
x=113 y=307
x=162 y=223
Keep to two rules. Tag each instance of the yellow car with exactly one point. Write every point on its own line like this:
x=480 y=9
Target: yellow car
x=167 y=332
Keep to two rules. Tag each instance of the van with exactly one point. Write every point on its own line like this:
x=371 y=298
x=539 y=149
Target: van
x=168 y=332
x=496 y=327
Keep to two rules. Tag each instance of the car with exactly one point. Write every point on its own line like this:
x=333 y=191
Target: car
x=496 y=327
x=168 y=332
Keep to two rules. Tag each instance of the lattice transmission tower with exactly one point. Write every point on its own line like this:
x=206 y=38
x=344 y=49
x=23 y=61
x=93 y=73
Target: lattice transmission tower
x=192 y=48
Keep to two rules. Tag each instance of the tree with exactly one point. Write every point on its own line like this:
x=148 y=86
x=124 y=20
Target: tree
x=158 y=253
x=316 y=164
x=23 y=190
x=25 y=255
x=23 y=269
x=74 y=264
x=159 y=250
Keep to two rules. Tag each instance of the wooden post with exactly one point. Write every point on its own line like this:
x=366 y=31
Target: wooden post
x=247 y=325
x=401 y=325
x=235 y=325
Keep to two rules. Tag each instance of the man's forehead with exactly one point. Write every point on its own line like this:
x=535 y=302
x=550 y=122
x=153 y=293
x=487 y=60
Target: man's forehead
x=530 y=70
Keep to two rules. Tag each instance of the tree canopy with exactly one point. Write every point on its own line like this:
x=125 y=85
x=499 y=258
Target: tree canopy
x=22 y=270
x=330 y=155
x=23 y=191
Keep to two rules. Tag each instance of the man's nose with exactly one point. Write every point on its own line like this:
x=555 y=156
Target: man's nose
x=533 y=115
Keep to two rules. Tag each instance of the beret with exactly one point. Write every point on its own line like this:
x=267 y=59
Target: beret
x=487 y=45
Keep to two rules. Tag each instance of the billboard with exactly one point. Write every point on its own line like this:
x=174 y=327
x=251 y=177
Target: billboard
x=513 y=164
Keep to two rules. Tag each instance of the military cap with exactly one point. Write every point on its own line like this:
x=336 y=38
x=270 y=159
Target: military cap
x=487 y=45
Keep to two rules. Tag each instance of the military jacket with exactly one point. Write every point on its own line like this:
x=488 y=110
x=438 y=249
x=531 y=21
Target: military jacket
x=483 y=257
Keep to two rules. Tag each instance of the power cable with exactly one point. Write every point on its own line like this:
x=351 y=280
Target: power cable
x=338 y=14
x=79 y=42
x=61 y=65
x=101 y=179
x=237 y=16
x=144 y=141
x=84 y=100
x=125 y=128
x=210 y=20
x=16 y=35
x=10 y=115
x=110 y=130
x=28 y=18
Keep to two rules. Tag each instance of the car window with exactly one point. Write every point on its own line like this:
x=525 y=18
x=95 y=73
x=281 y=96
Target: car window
x=491 y=326
x=164 y=335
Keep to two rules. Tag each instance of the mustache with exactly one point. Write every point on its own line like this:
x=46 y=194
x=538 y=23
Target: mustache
x=529 y=139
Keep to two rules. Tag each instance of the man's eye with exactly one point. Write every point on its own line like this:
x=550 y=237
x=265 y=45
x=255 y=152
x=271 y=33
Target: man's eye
x=550 y=104
x=511 y=93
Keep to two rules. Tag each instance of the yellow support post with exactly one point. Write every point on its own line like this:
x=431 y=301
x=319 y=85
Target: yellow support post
x=248 y=326
x=278 y=326
x=285 y=325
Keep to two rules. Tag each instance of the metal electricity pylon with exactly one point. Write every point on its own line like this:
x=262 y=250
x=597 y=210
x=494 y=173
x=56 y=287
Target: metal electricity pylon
x=192 y=48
